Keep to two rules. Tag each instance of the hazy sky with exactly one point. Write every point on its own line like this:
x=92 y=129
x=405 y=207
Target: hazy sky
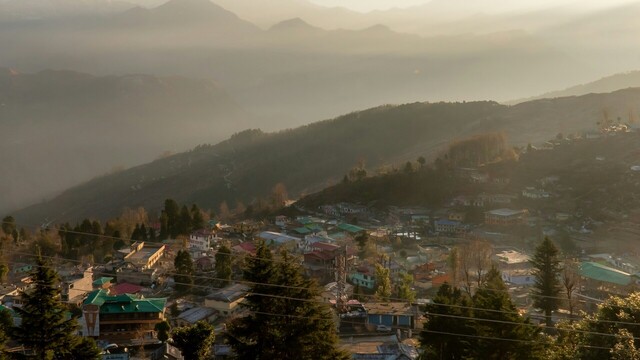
x=368 y=5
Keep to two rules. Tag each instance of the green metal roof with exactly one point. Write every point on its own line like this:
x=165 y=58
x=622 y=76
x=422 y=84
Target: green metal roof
x=103 y=280
x=314 y=227
x=124 y=303
x=603 y=273
x=353 y=229
x=302 y=230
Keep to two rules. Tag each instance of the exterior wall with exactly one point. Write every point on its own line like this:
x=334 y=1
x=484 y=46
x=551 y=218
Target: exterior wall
x=390 y=320
x=367 y=281
x=199 y=242
x=224 y=307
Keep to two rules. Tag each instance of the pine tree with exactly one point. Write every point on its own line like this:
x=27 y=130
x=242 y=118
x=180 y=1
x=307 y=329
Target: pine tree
x=184 y=271
x=45 y=329
x=223 y=265
x=172 y=211
x=194 y=341
x=184 y=221
x=449 y=314
x=286 y=321
x=6 y=323
x=163 y=328
x=546 y=269
x=197 y=221
x=496 y=317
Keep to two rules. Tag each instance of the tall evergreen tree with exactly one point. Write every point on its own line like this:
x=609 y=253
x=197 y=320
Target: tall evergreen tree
x=172 y=211
x=546 y=269
x=223 y=265
x=285 y=321
x=197 y=221
x=184 y=271
x=45 y=328
x=194 y=341
x=449 y=314
x=183 y=225
x=496 y=317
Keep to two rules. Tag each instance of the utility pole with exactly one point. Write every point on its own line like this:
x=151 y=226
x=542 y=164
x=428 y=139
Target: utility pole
x=341 y=279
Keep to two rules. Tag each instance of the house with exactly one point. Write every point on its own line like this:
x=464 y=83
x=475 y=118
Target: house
x=227 y=300
x=125 y=288
x=533 y=193
x=275 y=238
x=394 y=314
x=519 y=277
x=601 y=277
x=204 y=263
x=363 y=276
x=282 y=221
x=193 y=315
x=450 y=227
x=457 y=216
x=75 y=287
x=506 y=217
x=513 y=260
x=122 y=318
x=202 y=240
x=351 y=229
x=245 y=248
x=104 y=282
x=166 y=351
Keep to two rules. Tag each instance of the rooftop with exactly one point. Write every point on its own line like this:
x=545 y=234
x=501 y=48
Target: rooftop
x=506 y=212
x=196 y=314
x=395 y=308
x=124 y=303
x=603 y=273
x=277 y=237
x=512 y=257
x=101 y=281
x=353 y=229
x=230 y=293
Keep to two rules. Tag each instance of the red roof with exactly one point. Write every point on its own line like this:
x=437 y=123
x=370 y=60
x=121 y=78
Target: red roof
x=246 y=247
x=125 y=288
x=318 y=255
x=440 y=279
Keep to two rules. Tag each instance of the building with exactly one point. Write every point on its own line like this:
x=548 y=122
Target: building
x=363 y=276
x=450 y=227
x=121 y=319
x=246 y=227
x=532 y=193
x=193 y=315
x=76 y=287
x=142 y=256
x=506 y=217
x=276 y=238
x=330 y=292
x=227 y=300
x=398 y=314
x=519 y=277
x=202 y=240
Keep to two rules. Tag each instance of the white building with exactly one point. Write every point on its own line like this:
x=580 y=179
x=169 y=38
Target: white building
x=202 y=240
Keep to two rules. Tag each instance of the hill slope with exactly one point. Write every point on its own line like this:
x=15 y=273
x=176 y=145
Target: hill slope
x=311 y=157
x=60 y=127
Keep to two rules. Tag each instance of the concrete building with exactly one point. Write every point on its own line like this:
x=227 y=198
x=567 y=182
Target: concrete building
x=506 y=217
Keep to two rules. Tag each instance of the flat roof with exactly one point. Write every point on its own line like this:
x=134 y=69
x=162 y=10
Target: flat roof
x=506 y=212
x=389 y=308
x=230 y=293
x=603 y=273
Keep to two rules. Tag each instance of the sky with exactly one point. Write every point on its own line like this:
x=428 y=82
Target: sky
x=369 y=5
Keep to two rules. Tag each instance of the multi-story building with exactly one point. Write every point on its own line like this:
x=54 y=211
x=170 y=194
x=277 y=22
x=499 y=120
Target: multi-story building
x=506 y=217
x=121 y=319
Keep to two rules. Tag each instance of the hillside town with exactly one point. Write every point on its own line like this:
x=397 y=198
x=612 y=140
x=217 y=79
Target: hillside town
x=352 y=250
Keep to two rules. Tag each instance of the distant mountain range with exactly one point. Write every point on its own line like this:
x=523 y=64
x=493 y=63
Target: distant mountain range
x=607 y=84
x=309 y=158
x=61 y=127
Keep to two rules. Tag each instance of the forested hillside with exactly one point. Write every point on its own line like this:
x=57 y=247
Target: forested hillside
x=248 y=165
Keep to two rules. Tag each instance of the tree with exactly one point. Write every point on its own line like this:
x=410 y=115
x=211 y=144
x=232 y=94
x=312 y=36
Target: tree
x=405 y=290
x=45 y=328
x=6 y=323
x=570 y=282
x=184 y=271
x=497 y=317
x=194 y=341
x=285 y=321
x=474 y=259
x=197 y=220
x=8 y=225
x=421 y=161
x=279 y=195
x=450 y=313
x=163 y=328
x=183 y=225
x=223 y=265
x=383 y=283
x=172 y=211
x=546 y=267
x=85 y=348
x=625 y=348
x=362 y=239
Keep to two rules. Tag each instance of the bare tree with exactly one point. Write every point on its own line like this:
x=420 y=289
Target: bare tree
x=570 y=282
x=474 y=260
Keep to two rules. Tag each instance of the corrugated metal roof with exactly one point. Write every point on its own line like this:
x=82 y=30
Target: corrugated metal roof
x=603 y=273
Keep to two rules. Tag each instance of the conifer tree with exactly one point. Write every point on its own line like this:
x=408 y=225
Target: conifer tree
x=194 y=341
x=197 y=221
x=223 y=265
x=46 y=330
x=496 y=317
x=546 y=269
x=285 y=321
x=184 y=271
x=450 y=313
